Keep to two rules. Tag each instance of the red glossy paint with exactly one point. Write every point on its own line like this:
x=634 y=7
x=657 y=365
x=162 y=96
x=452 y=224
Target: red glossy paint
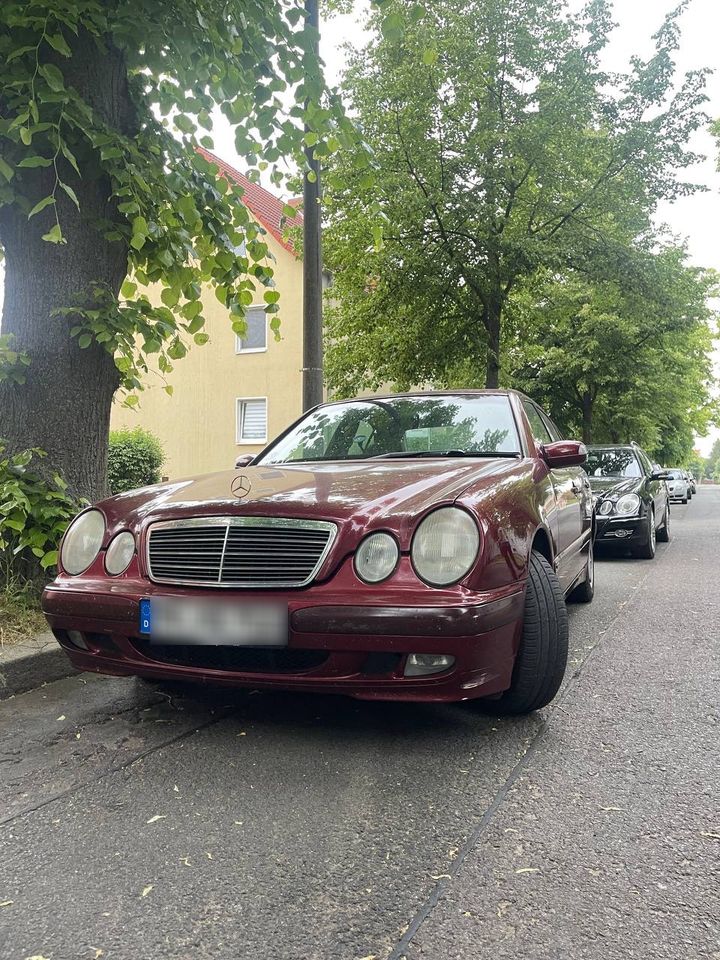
x=340 y=622
x=564 y=453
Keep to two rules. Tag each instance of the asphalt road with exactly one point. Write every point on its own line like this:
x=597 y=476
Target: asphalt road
x=136 y=826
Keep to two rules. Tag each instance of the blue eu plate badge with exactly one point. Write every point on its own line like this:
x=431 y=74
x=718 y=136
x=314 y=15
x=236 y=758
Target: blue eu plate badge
x=145 y=616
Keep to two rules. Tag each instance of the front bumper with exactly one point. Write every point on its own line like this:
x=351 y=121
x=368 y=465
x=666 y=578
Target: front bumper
x=358 y=648
x=619 y=529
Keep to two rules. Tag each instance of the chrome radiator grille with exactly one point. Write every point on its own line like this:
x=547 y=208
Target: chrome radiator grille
x=238 y=551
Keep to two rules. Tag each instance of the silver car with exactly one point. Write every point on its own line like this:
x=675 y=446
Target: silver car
x=677 y=485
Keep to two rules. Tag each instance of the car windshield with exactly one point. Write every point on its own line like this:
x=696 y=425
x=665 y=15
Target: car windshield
x=676 y=474
x=612 y=462
x=401 y=427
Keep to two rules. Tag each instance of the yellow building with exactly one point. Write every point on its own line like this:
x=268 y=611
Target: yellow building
x=231 y=395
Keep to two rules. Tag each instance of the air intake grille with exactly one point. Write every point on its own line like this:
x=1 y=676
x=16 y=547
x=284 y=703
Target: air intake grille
x=238 y=551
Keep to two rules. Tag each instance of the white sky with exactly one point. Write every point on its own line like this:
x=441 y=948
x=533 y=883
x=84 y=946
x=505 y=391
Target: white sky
x=695 y=219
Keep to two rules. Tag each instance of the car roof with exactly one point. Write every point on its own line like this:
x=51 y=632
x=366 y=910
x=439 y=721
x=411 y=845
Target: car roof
x=460 y=392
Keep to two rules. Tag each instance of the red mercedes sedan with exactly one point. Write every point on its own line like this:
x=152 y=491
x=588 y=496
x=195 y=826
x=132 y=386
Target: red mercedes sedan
x=406 y=547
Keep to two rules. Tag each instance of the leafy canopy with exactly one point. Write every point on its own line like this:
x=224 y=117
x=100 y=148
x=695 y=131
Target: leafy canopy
x=173 y=64
x=502 y=148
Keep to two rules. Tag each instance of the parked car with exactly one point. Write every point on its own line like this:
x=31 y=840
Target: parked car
x=677 y=485
x=693 y=483
x=632 y=505
x=407 y=547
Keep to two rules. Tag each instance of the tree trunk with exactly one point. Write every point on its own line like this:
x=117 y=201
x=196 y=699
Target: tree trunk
x=587 y=414
x=64 y=405
x=492 y=315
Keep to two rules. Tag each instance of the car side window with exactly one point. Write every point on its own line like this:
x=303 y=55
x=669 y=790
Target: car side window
x=552 y=429
x=645 y=462
x=539 y=430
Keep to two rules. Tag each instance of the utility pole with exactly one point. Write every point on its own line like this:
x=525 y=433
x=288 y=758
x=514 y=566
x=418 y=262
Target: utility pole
x=312 y=253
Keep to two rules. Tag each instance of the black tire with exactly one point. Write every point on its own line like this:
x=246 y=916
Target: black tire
x=685 y=499
x=585 y=591
x=542 y=656
x=645 y=549
x=663 y=533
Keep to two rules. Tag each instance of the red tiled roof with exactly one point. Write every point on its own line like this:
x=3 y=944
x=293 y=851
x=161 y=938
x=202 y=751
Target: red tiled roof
x=265 y=207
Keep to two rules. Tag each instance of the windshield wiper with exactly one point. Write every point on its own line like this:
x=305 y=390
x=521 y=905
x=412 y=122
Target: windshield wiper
x=401 y=454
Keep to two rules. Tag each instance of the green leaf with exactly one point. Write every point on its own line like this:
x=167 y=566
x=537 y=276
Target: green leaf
x=31 y=162
x=40 y=205
x=201 y=338
x=6 y=170
x=49 y=560
x=70 y=156
x=53 y=76
x=25 y=136
x=430 y=57
x=84 y=341
x=128 y=289
x=57 y=42
x=54 y=235
x=169 y=297
x=70 y=192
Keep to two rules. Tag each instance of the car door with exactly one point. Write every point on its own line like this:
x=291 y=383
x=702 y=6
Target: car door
x=570 y=494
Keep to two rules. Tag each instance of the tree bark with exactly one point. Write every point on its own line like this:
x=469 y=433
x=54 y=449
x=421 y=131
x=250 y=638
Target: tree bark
x=64 y=405
x=492 y=316
x=587 y=416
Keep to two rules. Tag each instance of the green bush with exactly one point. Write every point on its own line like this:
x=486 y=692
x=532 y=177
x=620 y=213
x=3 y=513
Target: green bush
x=134 y=459
x=34 y=513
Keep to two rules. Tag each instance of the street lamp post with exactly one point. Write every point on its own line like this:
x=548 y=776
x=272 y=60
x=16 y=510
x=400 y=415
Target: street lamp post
x=312 y=255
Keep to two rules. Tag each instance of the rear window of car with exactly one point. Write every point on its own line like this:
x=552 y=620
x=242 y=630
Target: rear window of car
x=613 y=462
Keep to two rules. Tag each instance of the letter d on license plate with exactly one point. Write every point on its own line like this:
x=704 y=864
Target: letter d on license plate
x=221 y=623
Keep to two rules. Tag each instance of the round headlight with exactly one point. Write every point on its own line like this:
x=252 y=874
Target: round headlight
x=445 y=546
x=119 y=553
x=376 y=557
x=82 y=542
x=628 y=505
x=605 y=508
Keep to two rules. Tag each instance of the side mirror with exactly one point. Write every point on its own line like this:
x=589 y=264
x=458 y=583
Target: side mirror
x=659 y=474
x=244 y=461
x=564 y=453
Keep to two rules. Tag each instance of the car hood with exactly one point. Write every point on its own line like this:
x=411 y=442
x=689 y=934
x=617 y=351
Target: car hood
x=602 y=486
x=362 y=493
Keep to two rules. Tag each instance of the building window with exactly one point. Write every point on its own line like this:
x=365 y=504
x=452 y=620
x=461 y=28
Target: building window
x=255 y=339
x=252 y=420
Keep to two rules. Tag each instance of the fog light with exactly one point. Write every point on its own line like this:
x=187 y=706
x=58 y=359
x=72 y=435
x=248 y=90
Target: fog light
x=77 y=639
x=422 y=664
x=623 y=533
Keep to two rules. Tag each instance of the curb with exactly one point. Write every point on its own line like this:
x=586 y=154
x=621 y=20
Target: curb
x=25 y=666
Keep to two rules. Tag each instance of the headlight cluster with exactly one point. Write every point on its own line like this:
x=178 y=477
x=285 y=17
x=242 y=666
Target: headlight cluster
x=444 y=548
x=82 y=544
x=626 y=506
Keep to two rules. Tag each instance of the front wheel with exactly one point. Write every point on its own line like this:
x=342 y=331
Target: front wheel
x=645 y=549
x=542 y=656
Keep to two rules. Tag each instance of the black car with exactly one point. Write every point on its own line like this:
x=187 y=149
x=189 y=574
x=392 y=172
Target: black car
x=631 y=500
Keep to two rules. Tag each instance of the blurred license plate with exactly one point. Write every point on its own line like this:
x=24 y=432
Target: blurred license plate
x=214 y=623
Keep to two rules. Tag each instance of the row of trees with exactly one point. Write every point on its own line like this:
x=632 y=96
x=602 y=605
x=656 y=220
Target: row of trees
x=518 y=183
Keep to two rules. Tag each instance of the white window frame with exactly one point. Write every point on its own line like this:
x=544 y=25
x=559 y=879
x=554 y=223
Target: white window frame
x=239 y=349
x=255 y=441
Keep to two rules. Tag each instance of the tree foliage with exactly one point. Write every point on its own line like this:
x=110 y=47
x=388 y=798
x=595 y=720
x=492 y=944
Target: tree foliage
x=625 y=358
x=102 y=108
x=503 y=150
